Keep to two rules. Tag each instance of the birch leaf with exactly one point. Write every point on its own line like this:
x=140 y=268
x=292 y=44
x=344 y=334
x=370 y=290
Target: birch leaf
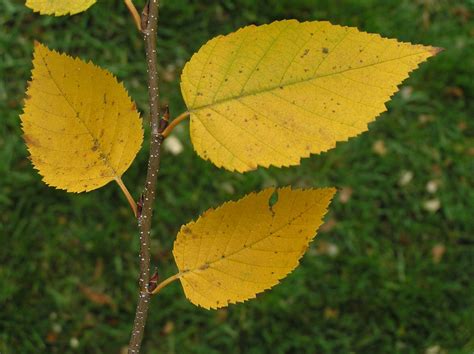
x=59 y=7
x=81 y=127
x=272 y=94
x=243 y=248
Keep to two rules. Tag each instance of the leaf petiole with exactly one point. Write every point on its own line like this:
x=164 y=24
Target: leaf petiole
x=165 y=282
x=133 y=11
x=129 y=197
x=174 y=123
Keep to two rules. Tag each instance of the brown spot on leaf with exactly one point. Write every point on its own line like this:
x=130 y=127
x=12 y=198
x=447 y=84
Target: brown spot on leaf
x=306 y=51
x=204 y=266
x=29 y=140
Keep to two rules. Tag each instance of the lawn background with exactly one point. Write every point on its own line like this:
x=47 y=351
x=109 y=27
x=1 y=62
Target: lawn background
x=391 y=272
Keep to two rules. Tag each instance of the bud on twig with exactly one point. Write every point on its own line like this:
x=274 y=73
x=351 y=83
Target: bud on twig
x=144 y=17
x=139 y=206
x=153 y=283
x=165 y=118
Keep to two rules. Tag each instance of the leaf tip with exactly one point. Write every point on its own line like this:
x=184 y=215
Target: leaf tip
x=331 y=190
x=436 y=50
x=38 y=46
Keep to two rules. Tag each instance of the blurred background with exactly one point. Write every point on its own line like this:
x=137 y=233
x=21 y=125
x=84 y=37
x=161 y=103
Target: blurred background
x=391 y=271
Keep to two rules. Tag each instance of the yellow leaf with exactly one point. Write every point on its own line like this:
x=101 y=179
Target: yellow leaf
x=272 y=94
x=243 y=248
x=59 y=7
x=81 y=127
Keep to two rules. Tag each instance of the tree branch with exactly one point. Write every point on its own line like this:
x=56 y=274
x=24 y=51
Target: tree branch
x=149 y=24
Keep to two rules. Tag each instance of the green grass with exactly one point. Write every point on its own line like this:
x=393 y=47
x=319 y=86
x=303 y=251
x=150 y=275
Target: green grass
x=383 y=292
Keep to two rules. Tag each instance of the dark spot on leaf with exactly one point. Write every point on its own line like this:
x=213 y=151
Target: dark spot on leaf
x=204 y=266
x=306 y=51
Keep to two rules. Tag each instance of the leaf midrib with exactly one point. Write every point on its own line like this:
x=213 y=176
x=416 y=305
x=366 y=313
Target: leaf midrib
x=198 y=268
x=291 y=83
